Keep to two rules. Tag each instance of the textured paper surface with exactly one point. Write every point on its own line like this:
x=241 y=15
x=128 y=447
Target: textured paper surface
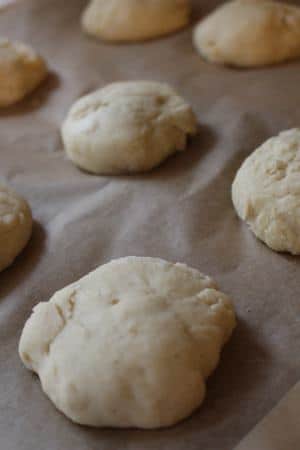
x=280 y=429
x=181 y=211
x=6 y=3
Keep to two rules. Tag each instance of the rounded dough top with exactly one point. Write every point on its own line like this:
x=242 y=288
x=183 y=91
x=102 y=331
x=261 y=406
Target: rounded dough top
x=15 y=225
x=134 y=20
x=21 y=71
x=266 y=192
x=250 y=33
x=127 y=127
x=129 y=345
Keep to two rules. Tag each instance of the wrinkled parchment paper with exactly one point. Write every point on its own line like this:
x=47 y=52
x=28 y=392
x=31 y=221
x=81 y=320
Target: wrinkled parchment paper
x=280 y=429
x=181 y=211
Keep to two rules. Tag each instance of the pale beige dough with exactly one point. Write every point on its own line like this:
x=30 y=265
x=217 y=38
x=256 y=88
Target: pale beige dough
x=134 y=20
x=21 y=71
x=249 y=33
x=15 y=226
x=266 y=192
x=127 y=127
x=129 y=345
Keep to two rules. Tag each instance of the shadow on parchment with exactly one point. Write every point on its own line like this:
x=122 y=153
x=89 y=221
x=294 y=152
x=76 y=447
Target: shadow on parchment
x=197 y=147
x=35 y=99
x=200 y=9
x=14 y=275
x=179 y=163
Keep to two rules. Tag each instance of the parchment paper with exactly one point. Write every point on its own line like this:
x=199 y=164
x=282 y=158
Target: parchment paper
x=181 y=211
x=280 y=429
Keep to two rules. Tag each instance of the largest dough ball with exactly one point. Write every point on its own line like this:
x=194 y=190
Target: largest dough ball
x=249 y=33
x=129 y=345
x=266 y=192
x=21 y=71
x=127 y=127
x=15 y=226
x=134 y=20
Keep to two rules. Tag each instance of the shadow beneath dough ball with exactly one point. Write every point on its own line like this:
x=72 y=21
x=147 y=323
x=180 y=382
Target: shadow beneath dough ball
x=179 y=163
x=201 y=9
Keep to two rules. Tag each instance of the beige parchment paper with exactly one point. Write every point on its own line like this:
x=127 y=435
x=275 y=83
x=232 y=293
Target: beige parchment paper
x=280 y=429
x=181 y=211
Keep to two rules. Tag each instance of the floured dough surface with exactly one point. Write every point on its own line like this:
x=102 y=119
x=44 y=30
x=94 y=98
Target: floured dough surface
x=134 y=20
x=266 y=192
x=15 y=226
x=129 y=345
x=250 y=33
x=21 y=71
x=127 y=127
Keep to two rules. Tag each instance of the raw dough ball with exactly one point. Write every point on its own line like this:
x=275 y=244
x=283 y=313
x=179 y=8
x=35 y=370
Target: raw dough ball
x=250 y=33
x=21 y=71
x=266 y=192
x=134 y=20
x=129 y=345
x=15 y=226
x=127 y=127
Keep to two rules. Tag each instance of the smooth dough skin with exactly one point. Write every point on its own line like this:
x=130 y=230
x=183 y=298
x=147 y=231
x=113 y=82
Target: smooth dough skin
x=249 y=33
x=266 y=192
x=134 y=20
x=127 y=127
x=15 y=226
x=129 y=345
x=21 y=71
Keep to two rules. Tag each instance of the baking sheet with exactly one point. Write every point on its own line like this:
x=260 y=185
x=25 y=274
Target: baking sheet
x=180 y=211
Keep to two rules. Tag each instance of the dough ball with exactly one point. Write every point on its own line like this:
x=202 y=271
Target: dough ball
x=266 y=192
x=21 y=71
x=134 y=20
x=250 y=33
x=129 y=345
x=15 y=226
x=127 y=127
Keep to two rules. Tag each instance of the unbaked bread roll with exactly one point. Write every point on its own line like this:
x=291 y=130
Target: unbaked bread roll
x=127 y=127
x=249 y=33
x=15 y=226
x=129 y=345
x=134 y=20
x=266 y=192
x=21 y=71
